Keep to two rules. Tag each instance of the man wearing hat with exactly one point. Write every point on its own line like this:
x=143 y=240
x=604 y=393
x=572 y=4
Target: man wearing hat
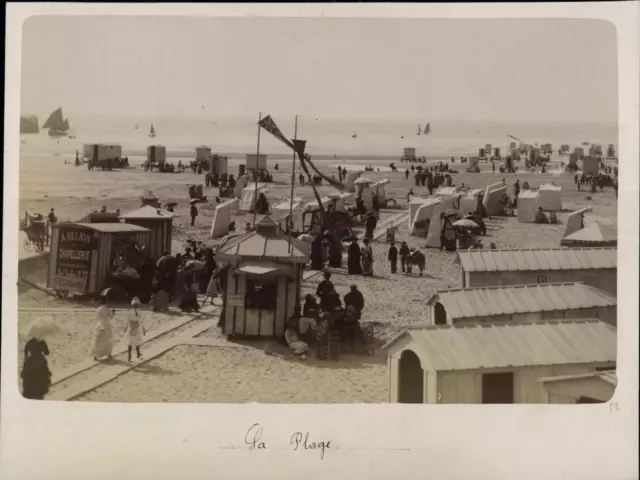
x=355 y=299
x=404 y=255
x=134 y=329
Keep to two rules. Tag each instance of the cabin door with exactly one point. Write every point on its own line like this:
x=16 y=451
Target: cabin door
x=440 y=314
x=410 y=379
x=498 y=388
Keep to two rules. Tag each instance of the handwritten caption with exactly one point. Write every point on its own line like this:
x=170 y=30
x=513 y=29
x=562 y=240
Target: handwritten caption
x=299 y=441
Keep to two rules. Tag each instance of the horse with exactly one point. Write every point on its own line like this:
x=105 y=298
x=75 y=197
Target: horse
x=418 y=259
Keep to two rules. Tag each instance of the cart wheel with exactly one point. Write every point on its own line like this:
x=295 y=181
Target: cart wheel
x=391 y=203
x=27 y=245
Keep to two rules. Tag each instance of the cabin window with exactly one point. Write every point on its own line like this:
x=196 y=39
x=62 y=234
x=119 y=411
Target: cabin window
x=498 y=388
x=542 y=279
x=261 y=294
x=440 y=314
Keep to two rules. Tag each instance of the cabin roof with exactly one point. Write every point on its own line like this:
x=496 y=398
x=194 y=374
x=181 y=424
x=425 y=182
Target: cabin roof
x=113 y=227
x=519 y=260
x=149 y=212
x=609 y=377
x=519 y=299
x=266 y=242
x=475 y=347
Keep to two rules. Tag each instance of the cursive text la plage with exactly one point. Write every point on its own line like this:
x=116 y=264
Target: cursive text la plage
x=299 y=441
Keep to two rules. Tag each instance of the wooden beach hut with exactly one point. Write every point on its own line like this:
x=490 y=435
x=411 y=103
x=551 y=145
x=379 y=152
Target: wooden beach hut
x=263 y=281
x=160 y=224
x=379 y=190
x=250 y=195
x=591 y=165
x=203 y=154
x=594 y=235
x=528 y=206
x=520 y=304
x=222 y=218
x=446 y=365
x=288 y=216
x=218 y=165
x=593 y=387
x=431 y=207
x=156 y=154
x=363 y=187
x=597 y=267
x=82 y=254
x=492 y=199
x=550 y=197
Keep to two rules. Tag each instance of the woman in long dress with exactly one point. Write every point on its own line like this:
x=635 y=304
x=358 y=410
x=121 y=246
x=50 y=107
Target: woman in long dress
x=135 y=329
x=102 y=344
x=353 y=259
x=36 y=376
x=367 y=259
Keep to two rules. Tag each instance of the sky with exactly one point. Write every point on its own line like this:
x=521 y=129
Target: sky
x=519 y=70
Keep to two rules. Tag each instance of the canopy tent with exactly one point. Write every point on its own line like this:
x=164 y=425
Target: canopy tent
x=492 y=200
x=222 y=218
x=593 y=235
x=469 y=201
x=424 y=214
x=280 y=213
x=527 y=206
x=379 y=190
x=550 y=197
x=575 y=220
x=249 y=196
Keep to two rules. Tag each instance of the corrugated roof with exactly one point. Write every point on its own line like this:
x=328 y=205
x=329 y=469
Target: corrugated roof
x=539 y=259
x=113 y=227
x=445 y=348
x=149 y=212
x=609 y=377
x=594 y=234
x=509 y=300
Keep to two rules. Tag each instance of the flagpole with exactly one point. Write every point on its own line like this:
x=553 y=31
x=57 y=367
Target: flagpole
x=293 y=181
x=255 y=174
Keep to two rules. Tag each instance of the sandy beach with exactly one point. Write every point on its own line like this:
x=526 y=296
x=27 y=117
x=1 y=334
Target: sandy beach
x=212 y=369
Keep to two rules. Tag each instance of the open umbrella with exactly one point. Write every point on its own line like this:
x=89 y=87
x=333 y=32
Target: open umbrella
x=42 y=327
x=465 y=223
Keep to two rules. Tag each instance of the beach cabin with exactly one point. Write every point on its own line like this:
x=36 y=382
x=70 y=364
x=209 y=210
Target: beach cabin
x=481 y=153
x=473 y=166
x=82 y=254
x=521 y=303
x=450 y=197
x=160 y=225
x=497 y=364
x=156 y=154
x=427 y=209
x=594 y=235
x=514 y=153
x=611 y=151
x=597 y=267
x=256 y=162
x=288 y=216
x=592 y=387
x=470 y=200
x=488 y=148
x=349 y=182
x=340 y=200
x=363 y=187
x=575 y=220
x=379 y=190
x=203 y=154
x=492 y=200
x=573 y=161
x=97 y=152
x=550 y=197
x=250 y=195
x=591 y=165
x=263 y=281
x=579 y=151
x=218 y=165
x=564 y=149
x=409 y=154
x=528 y=206
x=222 y=218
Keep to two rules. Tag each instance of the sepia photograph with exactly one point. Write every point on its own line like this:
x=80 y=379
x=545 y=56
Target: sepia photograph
x=318 y=210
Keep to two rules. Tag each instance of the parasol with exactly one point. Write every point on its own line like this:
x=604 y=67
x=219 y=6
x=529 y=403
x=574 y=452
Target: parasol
x=42 y=327
x=465 y=223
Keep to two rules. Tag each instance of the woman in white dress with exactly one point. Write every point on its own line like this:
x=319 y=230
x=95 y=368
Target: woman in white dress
x=134 y=329
x=102 y=344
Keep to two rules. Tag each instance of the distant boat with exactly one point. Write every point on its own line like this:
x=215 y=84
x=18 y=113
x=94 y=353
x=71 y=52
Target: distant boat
x=137 y=127
x=427 y=129
x=152 y=132
x=419 y=130
x=56 y=123
x=355 y=135
x=585 y=143
x=402 y=137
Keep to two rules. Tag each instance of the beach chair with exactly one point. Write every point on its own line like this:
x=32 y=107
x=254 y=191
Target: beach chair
x=160 y=301
x=330 y=349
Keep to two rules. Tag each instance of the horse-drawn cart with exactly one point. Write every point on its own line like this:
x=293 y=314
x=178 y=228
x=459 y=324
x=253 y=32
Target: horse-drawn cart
x=35 y=228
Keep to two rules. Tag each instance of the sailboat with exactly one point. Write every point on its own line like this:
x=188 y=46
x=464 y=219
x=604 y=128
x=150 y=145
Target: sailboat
x=58 y=125
x=419 y=130
x=152 y=132
x=355 y=135
x=427 y=129
x=137 y=126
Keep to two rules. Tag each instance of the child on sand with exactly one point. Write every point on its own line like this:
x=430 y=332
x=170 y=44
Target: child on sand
x=134 y=329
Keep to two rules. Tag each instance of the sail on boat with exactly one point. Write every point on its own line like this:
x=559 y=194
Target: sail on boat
x=152 y=132
x=427 y=129
x=56 y=123
x=419 y=130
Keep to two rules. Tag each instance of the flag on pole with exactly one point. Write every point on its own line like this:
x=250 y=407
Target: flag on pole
x=270 y=126
x=299 y=146
x=511 y=136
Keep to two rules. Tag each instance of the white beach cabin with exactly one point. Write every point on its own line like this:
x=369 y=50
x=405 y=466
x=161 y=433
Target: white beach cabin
x=469 y=201
x=156 y=154
x=593 y=387
x=550 y=197
x=250 y=196
x=222 y=217
x=281 y=214
x=528 y=206
x=378 y=189
x=597 y=267
x=363 y=187
x=449 y=196
x=521 y=303
x=492 y=200
x=446 y=365
x=203 y=154
x=421 y=224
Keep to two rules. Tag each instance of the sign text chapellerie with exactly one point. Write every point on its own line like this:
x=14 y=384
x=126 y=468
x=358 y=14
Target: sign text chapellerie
x=73 y=260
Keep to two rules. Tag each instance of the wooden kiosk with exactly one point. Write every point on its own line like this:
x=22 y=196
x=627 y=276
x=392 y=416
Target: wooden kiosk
x=82 y=254
x=263 y=281
x=160 y=224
